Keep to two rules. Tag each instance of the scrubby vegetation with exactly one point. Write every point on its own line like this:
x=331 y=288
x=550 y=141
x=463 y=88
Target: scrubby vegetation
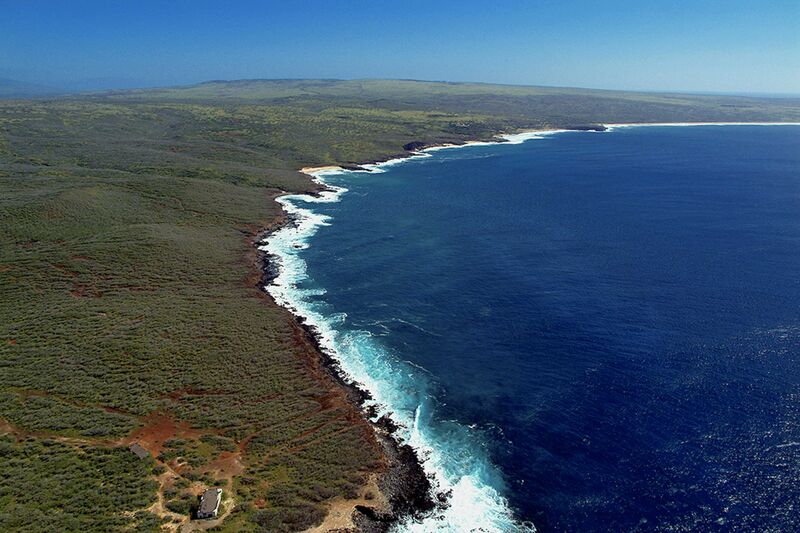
x=48 y=414
x=49 y=486
x=196 y=452
x=128 y=287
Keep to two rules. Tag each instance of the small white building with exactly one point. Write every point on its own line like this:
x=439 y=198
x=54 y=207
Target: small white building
x=209 y=503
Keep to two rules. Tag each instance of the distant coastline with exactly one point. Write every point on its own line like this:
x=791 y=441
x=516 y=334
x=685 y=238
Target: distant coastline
x=420 y=149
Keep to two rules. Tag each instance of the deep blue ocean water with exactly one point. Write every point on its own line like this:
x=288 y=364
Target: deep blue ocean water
x=600 y=331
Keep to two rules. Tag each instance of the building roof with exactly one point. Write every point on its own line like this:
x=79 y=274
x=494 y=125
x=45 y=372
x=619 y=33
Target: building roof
x=209 y=503
x=137 y=449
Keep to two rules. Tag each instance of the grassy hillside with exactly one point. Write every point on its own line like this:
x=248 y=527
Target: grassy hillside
x=129 y=306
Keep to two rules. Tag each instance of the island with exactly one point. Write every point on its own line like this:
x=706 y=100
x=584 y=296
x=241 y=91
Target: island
x=144 y=367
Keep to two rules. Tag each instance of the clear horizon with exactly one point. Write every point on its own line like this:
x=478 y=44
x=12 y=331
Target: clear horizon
x=740 y=47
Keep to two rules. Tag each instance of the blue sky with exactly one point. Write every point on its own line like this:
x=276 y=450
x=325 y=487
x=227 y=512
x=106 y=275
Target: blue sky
x=716 y=46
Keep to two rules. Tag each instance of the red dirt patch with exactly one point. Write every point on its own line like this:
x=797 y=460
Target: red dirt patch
x=158 y=428
x=11 y=342
x=245 y=442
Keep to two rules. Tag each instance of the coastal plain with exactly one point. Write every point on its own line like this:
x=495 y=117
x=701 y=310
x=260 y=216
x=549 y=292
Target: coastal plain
x=131 y=301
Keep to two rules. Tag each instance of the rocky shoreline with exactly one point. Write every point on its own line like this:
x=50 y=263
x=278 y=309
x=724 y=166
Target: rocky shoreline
x=404 y=484
x=413 y=148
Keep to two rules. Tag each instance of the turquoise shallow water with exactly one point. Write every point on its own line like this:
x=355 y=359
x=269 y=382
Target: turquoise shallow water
x=589 y=331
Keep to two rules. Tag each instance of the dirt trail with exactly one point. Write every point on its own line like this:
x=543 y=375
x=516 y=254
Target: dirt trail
x=160 y=510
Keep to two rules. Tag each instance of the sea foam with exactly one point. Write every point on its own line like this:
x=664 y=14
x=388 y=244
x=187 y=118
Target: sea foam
x=452 y=454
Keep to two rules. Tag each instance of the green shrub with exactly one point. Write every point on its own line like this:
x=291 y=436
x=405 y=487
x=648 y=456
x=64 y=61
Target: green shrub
x=57 y=487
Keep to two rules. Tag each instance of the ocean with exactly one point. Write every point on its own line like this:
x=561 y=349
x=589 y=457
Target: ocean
x=585 y=331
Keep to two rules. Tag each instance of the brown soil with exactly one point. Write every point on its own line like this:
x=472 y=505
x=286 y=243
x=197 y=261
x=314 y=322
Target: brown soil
x=159 y=428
